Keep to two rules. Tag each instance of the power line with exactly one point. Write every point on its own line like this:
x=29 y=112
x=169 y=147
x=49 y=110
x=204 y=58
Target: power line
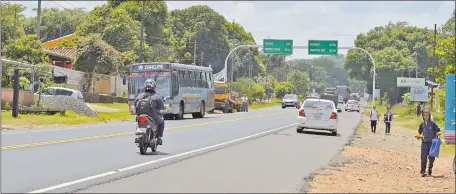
x=60 y=5
x=70 y=4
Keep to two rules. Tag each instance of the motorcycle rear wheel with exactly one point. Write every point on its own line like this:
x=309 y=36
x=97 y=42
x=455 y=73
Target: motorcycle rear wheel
x=142 y=146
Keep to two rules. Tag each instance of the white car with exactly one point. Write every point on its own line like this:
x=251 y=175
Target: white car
x=352 y=105
x=318 y=114
x=55 y=91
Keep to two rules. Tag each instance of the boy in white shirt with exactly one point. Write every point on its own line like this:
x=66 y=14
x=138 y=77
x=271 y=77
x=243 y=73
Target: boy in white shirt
x=373 y=119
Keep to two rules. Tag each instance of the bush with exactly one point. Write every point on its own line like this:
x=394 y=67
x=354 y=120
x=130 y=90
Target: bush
x=7 y=106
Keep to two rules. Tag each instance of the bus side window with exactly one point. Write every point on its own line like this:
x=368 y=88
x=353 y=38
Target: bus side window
x=175 y=85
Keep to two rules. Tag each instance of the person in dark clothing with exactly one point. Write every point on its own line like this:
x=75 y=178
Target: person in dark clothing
x=157 y=105
x=428 y=130
x=387 y=118
x=418 y=109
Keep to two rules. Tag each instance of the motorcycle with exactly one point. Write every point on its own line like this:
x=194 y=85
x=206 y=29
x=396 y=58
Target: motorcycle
x=146 y=134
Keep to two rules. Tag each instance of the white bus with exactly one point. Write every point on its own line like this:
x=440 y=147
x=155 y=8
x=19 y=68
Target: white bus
x=185 y=88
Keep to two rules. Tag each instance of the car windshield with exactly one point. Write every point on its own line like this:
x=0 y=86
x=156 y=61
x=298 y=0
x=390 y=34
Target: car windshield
x=352 y=102
x=318 y=104
x=289 y=97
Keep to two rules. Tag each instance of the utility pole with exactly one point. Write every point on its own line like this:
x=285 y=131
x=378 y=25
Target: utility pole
x=194 y=51
x=38 y=20
x=141 y=42
x=434 y=65
x=202 y=57
x=232 y=69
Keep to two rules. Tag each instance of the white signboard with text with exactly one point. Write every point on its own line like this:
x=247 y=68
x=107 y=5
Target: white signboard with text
x=419 y=94
x=410 y=82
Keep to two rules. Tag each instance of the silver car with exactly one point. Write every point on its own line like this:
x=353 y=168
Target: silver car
x=290 y=100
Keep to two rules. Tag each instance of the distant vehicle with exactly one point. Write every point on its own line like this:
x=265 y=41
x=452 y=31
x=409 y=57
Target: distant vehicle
x=340 y=99
x=223 y=96
x=59 y=91
x=318 y=114
x=343 y=91
x=185 y=88
x=352 y=105
x=330 y=94
x=290 y=100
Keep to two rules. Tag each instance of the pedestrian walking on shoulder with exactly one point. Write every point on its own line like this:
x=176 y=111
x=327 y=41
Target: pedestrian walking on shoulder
x=387 y=118
x=245 y=105
x=418 y=110
x=373 y=119
x=427 y=131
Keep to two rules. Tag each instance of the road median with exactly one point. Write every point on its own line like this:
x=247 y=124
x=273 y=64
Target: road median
x=376 y=163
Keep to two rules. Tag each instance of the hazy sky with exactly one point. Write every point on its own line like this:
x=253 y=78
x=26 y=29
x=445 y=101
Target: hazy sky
x=304 y=20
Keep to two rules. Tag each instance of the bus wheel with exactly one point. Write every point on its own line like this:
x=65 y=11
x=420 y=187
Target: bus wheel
x=180 y=115
x=202 y=110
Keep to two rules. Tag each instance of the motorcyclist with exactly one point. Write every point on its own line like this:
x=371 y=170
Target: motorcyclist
x=157 y=105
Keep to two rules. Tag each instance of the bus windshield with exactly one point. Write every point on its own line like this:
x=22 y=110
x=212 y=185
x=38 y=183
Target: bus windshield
x=163 y=85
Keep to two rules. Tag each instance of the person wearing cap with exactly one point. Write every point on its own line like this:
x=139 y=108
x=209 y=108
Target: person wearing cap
x=427 y=131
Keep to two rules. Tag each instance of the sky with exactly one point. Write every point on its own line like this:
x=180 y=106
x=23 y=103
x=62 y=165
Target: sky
x=304 y=20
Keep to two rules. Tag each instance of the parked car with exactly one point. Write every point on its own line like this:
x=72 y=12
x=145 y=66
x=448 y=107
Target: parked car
x=290 y=100
x=352 y=105
x=56 y=91
x=318 y=114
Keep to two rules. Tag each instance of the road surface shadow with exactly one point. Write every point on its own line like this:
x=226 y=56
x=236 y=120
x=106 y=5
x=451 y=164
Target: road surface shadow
x=189 y=118
x=157 y=153
x=319 y=133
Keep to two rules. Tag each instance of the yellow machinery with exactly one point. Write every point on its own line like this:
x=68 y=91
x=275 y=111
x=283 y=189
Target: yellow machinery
x=223 y=96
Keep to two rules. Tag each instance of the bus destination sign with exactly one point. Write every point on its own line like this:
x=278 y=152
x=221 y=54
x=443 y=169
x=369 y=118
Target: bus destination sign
x=149 y=67
x=151 y=74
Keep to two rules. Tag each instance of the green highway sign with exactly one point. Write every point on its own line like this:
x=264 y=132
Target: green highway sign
x=274 y=46
x=323 y=47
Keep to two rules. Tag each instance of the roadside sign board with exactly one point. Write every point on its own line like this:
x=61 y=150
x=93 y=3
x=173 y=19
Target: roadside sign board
x=419 y=94
x=410 y=82
x=275 y=46
x=323 y=47
x=450 y=109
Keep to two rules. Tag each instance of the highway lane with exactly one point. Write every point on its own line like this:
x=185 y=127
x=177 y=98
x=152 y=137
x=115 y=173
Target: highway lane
x=274 y=163
x=22 y=136
x=32 y=167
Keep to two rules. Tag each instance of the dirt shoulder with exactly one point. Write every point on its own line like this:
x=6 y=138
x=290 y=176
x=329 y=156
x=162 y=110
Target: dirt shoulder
x=375 y=163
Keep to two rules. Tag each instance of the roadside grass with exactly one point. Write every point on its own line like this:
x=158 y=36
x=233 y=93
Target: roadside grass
x=407 y=119
x=70 y=117
x=273 y=102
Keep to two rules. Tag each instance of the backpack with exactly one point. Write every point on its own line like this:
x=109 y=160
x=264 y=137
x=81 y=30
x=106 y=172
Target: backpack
x=144 y=106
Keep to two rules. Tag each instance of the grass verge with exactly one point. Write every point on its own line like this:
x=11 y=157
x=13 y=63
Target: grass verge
x=407 y=119
x=70 y=118
x=273 y=102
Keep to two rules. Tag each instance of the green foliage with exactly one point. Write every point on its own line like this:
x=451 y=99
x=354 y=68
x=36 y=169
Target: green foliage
x=95 y=55
x=283 y=88
x=7 y=106
x=24 y=82
x=406 y=98
x=56 y=23
x=12 y=20
x=25 y=49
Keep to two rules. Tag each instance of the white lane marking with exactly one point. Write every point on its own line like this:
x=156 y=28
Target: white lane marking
x=47 y=189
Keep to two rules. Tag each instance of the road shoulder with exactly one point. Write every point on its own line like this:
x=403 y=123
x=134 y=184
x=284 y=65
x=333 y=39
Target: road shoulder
x=375 y=163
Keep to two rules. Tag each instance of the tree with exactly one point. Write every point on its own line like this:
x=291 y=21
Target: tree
x=116 y=28
x=284 y=88
x=396 y=48
x=205 y=26
x=26 y=49
x=56 y=23
x=300 y=81
x=96 y=56
x=12 y=20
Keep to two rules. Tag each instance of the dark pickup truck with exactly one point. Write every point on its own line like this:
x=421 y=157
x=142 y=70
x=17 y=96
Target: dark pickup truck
x=330 y=95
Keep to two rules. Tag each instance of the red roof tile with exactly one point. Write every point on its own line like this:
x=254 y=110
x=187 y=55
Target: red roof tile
x=69 y=53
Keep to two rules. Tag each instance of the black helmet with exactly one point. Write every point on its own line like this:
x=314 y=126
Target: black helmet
x=149 y=85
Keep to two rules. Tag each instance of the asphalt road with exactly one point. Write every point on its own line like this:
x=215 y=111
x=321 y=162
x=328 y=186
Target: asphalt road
x=61 y=159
